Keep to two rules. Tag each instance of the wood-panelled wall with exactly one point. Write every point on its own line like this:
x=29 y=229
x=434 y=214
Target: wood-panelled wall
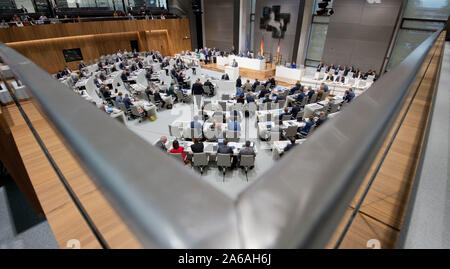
x=43 y=44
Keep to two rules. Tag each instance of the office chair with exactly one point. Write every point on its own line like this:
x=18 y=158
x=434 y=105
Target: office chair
x=286 y=117
x=313 y=98
x=303 y=135
x=247 y=161
x=177 y=156
x=232 y=136
x=200 y=160
x=291 y=131
x=135 y=113
x=223 y=161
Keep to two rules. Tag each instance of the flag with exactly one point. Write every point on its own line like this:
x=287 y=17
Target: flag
x=278 y=52
x=262 y=47
x=246 y=45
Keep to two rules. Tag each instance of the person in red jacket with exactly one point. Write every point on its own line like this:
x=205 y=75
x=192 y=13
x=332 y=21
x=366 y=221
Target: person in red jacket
x=176 y=148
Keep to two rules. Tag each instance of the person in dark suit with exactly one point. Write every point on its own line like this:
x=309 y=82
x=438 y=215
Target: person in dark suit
x=305 y=129
x=134 y=67
x=319 y=66
x=197 y=147
x=297 y=87
x=263 y=93
x=295 y=109
x=300 y=97
x=322 y=118
x=225 y=77
x=102 y=76
x=349 y=95
x=329 y=68
x=250 y=98
x=127 y=101
x=330 y=76
x=291 y=145
x=340 y=79
x=158 y=98
x=310 y=92
x=124 y=76
x=161 y=144
x=285 y=113
x=267 y=99
x=224 y=148
x=238 y=82
x=23 y=10
x=240 y=99
x=255 y=84
x=279 y=97
x=197 y=92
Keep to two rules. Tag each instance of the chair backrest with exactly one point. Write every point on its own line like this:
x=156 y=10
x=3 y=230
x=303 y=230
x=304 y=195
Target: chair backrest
x=281 y=103
x=305 y=99
x=223 y=104
x=274 y=135
x=174 y=131
x=300 y=114
x=291 y=131
x=333 y=107
x=123 y=108
x=286 y=117
x=225 y=96
x=262 y=106
x=311 y=130
x=232 y=135
x=134 y=111
x=313 y=98
x=224 y=160
x=259 y=87
x=247 y=160
x=200 y=159
x=177 y=156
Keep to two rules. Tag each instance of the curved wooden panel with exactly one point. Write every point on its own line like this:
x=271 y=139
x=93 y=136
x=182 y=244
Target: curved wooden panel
x=43 y=44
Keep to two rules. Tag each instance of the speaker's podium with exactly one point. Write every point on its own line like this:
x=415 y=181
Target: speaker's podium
x=233 y=72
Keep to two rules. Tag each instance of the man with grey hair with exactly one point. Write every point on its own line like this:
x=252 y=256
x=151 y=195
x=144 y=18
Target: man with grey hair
x=161 y=144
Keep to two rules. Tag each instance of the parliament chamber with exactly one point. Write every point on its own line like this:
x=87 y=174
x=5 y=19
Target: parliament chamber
x=234 y=124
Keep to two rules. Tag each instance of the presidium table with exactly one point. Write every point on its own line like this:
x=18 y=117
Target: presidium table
x=287 y=74
x=244 y=62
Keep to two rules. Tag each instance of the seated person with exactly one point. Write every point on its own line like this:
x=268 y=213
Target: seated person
x=148 y=92
x=297 y=87
x=124 y=76
x=239 y=92
x=171 y=90
x=240 y=99
x=285 y=113
x=247 y=150
x=300 y=96
x=161 y=144
x=197 y=147
x=158 y=98
x=250 y=98
x=102 y=76
x=310 y=92
x=324 y=87
x=119 y=98
x=293 y=65
x=225 y=149
x=267 y=99
x=263 y=93
x=291 y=145
x=176 y=148
x=340 y=79
x=322 y=118
x=349 y=95
x=305 y=129
x=295 y=109
x=279 y=97
x=255 y=84
x=247 y=86
x=329 y=76
x=225 y=77
x=127 y=101
x=234 y=63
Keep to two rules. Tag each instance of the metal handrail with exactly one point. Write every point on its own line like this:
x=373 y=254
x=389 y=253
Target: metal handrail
x=297 y=203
